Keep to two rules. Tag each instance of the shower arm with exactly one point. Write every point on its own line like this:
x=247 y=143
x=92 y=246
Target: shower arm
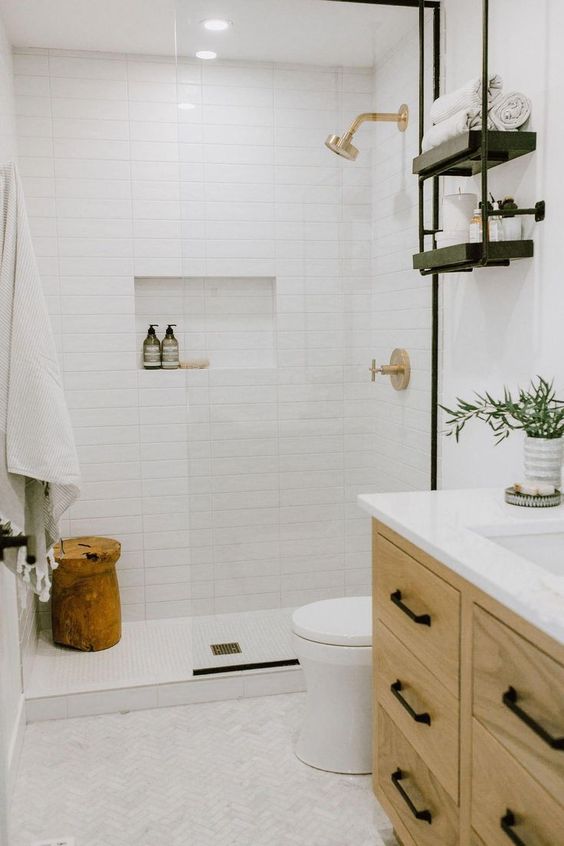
x=390 y=117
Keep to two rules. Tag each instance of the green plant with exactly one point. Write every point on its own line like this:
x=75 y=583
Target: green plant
x=536 y=411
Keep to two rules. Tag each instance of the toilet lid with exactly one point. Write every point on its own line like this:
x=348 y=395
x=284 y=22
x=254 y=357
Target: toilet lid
x=341 y=622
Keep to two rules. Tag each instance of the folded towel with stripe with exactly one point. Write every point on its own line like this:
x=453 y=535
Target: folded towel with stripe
x=39 y=472
x=507 y=113
x=468 y=96
x=457 y=124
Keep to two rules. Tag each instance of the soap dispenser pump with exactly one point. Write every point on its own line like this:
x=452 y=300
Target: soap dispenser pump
x=152 y=350
x=170 y=353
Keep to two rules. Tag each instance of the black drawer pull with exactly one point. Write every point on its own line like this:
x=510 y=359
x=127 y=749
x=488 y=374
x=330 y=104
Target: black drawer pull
x=424 y=717
x=509 y=699
x=507 y=822
x=396 y=777
x=422 y=619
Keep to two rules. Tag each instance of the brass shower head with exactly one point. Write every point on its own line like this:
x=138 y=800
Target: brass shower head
x=343 y=146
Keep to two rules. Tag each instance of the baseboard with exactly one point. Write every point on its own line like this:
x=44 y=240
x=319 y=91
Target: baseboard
x=15 y=744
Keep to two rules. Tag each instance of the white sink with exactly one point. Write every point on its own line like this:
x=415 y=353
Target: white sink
x=544 y=549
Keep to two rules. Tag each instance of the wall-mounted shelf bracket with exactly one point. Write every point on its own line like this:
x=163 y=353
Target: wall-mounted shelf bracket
x=539 y=212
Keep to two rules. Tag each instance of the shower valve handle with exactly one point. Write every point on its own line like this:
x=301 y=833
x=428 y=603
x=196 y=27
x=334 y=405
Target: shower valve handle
x=399 y=369
x=384 y=369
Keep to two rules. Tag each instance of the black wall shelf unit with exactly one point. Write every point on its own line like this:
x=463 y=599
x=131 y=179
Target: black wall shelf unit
x=474 y=152
x=462 y=156
x=460 y=257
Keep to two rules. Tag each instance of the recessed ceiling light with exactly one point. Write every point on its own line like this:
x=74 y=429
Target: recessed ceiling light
x=216 y=24
x=186 y=106
x=206 y=54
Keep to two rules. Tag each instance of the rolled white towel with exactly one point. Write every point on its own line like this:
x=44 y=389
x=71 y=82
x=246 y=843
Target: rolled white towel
x=510 y=111
x=458 y=124
x=468 y=96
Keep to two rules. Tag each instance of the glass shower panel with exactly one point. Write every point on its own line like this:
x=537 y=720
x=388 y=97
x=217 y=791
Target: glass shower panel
x=401 y=298
x=293 y=274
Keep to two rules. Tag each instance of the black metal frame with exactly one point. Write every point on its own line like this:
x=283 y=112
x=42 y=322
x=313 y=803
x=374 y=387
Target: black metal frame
x=435 y=224
x=414 y=4
x=462 y=259
x=236 y=668
x=421 y=5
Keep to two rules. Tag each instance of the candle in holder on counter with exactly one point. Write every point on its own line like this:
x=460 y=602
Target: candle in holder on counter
x=457 y=213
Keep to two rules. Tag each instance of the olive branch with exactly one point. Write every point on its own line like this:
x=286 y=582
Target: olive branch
x=536 y=411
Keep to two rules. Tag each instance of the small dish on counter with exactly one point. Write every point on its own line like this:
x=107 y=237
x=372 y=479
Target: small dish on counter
x=514 y=496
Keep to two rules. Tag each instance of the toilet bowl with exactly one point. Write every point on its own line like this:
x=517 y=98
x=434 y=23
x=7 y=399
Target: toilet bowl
x=333 y=641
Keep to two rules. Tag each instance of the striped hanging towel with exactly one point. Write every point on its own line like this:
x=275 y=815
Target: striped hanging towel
x=39 y=472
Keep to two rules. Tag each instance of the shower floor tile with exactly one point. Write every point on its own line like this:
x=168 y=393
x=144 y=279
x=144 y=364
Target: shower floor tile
x=153 y=666
x=149 y=652
x=218 y=774
x=263 y=636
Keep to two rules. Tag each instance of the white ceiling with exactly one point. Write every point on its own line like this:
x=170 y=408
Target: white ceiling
x=305 y=31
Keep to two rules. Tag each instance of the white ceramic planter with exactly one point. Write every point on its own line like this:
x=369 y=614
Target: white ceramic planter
x=543 y=460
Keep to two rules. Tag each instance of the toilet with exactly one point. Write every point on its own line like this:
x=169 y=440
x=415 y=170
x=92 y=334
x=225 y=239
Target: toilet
x=333 y=641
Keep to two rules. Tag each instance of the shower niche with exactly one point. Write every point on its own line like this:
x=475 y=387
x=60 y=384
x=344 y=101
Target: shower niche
x=230 y=321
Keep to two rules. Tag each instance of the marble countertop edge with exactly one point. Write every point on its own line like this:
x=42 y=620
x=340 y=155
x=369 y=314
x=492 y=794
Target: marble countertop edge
x=453 y=527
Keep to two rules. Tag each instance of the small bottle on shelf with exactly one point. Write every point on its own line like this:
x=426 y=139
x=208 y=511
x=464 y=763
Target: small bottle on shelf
x=496 y=225
x=475 y=230
x=152 y=350
x=170 y=352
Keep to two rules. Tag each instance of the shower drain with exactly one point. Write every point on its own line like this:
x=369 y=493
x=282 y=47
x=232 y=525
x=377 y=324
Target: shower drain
x=225 y=648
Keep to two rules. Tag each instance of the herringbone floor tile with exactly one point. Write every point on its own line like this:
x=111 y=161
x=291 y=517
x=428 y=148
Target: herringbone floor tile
x=218 y=774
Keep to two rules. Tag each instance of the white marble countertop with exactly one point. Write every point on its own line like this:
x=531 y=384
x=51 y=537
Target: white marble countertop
x=458 y=528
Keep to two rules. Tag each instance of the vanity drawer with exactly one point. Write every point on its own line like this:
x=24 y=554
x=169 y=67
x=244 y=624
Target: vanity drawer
x=411 y=789
x=431 y=726
x=420 y=608
x=519 y=692
x=507 y=803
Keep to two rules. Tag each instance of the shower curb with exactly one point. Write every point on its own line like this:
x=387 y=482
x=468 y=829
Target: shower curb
x=189 y=691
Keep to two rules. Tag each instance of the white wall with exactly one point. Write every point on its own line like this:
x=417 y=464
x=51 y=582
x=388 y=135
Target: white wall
x=504 y=326
x=232 y=488
x=11 y=699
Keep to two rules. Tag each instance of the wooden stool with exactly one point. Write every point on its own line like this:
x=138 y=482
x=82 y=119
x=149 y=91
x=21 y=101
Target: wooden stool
x=85 y=604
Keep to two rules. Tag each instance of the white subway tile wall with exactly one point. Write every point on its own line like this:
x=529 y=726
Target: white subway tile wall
x=231 y=488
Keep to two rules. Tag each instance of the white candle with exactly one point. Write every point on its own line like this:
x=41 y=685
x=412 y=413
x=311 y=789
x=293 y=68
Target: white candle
x=457 y=211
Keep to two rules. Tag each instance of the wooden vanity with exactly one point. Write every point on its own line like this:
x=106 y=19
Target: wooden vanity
x=468 y=709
